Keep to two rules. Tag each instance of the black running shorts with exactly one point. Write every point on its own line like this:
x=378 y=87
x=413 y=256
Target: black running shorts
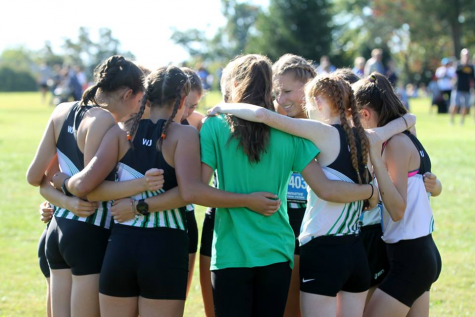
x=376 y=252
x=76 y=245
x=330 y=264
x=42 y=255
x=207 y=233
x=147 y=262
x=192 y=231
x=414 y=266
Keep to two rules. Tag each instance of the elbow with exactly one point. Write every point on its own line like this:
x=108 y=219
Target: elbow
x=34 y=180
x=261 y=114
x=398 y=213
x=188 y=197
x=190 y=193
x=80 y=190
x=325 y=194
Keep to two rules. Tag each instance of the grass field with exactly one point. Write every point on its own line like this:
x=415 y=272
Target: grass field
x=22 y=286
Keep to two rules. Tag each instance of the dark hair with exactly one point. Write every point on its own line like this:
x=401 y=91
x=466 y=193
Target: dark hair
x=297 y=65
x=339 y=94
x=195 y=80
x=347 y=74
x=164 y=87
x=114 y=73
x=252 y=75
x=377 y=93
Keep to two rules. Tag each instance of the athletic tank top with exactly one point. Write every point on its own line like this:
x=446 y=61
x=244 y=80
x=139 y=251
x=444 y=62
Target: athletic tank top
x=324 y=218
x=71 y=161
x=373 y=216
x=418 y=220
x=136 y=162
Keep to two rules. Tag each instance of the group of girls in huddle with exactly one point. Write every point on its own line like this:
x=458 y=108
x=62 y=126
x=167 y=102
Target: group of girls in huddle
x=130 y=158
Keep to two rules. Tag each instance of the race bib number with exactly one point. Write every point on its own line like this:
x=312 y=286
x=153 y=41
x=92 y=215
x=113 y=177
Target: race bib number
x=297 y=189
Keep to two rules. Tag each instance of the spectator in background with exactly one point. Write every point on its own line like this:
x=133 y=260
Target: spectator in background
x=460 y=98
x=73 y=83
x=391 y=73
x=45 y=74
x=325 y=66
x=445 y=75
x=81 y=77
x=203 y=74
x=437 y=98
x=360 y=62
x=375 y=63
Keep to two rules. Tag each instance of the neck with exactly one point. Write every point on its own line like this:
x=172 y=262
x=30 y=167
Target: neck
x=118 y=116
x=332 y=120
x=157 y=113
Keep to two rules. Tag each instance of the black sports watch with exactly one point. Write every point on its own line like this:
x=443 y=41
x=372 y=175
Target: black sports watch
x=142 y=208
x=64 y=188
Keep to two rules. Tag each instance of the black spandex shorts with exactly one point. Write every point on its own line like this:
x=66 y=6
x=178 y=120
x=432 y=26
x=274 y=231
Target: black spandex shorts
x=415 y=265
x=330 y=264
x=207 y=233
x=192 y=231
x=295 y=220
x=42 y=255
x=376 y=252
x=256 y=291
x=76 y=245
x=147 y=262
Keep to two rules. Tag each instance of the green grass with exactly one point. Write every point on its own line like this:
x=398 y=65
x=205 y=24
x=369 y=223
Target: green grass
x=22 y=286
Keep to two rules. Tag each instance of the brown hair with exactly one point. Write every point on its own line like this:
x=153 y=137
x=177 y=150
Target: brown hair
x=165 y=86
x=195 y=80
x=377 y=93
x=347 y=74
x=114 y=73
x=297 y=65
x=340 y=96
x=252 y=77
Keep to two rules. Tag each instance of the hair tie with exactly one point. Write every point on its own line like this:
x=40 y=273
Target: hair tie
x=372 y=78
x=129 y=137
x=163 y=136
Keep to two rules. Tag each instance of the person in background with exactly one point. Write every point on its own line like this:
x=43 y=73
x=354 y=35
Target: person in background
x=325 y=66
x=45 y=74
x=81 y=77
x=375 y=63
x=391 y=73
x=445 y=75
x=360 y=62
x=461 y=94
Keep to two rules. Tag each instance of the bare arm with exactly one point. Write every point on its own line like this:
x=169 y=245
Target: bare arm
x=333 y=191
x=392 y=181
x=312 y=130
x=394 y=127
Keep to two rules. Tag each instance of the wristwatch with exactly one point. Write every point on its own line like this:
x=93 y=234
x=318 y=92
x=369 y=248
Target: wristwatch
x=142 y=208
x=64 y=188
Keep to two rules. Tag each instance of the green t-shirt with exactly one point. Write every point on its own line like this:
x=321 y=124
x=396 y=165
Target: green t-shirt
x=243 y=238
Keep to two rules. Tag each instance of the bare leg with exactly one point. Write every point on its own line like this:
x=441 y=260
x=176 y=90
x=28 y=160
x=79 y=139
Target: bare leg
x=381 y=304
x=191 y=268
x=161 y=307
x=48 y=297
x=453 y=111
x=312 y=305
x=350 y=304
x=206 y=287
x=420 y=308
x=370 y=294
x=292 y=308
x=463 y=112
x=85 y=296
x=119 y=306
x=61 y=284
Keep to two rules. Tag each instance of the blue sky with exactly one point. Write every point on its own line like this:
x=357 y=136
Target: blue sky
x=143 y=27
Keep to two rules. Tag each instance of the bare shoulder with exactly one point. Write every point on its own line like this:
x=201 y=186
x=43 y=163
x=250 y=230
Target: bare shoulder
x=101 y=114
x=399 y=146
x=61 y=110
x=180 y=130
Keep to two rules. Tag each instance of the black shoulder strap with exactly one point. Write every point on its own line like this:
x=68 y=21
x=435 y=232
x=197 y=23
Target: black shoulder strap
x=425 y=160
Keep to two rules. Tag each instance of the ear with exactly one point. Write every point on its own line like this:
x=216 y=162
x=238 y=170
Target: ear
x=128 y=94
x=365 y=113
x=147 y=104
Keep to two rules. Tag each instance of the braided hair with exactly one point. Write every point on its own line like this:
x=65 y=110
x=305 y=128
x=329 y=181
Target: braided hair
x=300 y=67
x=342 y=101
x=114 y=73
x=163 y=86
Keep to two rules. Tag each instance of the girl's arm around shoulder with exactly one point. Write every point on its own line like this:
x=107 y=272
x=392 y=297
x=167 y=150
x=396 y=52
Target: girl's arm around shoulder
x=394 y=127
x=315 y=131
